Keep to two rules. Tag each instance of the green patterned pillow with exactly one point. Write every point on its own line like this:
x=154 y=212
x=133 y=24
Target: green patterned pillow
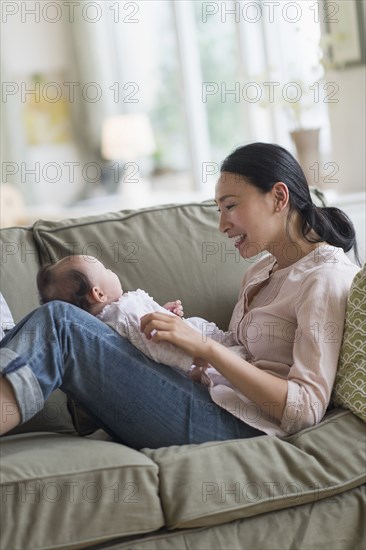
x=350 y=385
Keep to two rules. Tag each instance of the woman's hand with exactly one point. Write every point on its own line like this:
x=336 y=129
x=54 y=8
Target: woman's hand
x=160 y=327
x=175 y=307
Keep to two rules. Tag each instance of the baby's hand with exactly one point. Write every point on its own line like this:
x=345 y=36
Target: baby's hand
x=175 y=307
x=198 y=372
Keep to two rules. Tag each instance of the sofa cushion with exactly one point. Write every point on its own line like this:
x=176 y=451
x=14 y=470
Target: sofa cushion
x=350 y=385
x=67 y=491
x=335 y=522
x=171 y=252
x=217 y=482
x=19 y=267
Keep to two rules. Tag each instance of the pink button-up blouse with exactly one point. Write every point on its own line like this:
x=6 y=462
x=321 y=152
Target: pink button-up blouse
x=292 y=329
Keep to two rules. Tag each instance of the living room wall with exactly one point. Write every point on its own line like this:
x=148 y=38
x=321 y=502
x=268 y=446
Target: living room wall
x=347 y=120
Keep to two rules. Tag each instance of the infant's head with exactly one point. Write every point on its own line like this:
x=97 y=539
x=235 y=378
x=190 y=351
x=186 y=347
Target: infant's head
x=80 y=280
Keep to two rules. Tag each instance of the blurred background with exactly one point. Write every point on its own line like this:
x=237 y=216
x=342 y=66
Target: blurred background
x=114 y=105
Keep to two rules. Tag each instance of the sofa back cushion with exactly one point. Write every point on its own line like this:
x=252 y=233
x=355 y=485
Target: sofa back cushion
x=19 y=266
x=350 y=388
x=171 y=252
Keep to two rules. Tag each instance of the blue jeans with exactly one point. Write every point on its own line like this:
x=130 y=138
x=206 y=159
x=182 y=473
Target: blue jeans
x=139 y=402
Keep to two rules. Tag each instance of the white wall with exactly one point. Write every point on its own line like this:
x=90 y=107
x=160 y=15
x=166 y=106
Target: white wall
x=348 y=128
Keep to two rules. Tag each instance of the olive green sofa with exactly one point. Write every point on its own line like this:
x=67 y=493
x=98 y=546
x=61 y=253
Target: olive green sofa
x=60 y=489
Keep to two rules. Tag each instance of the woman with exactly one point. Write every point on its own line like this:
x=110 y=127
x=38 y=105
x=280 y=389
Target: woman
x=287 y=329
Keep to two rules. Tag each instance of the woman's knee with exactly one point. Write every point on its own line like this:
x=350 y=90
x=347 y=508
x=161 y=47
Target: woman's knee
x=58 y=306
x=59 y=310
x=53 y=318
x=61 y=316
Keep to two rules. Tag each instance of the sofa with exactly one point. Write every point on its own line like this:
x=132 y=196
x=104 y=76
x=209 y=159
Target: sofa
x=66 y=484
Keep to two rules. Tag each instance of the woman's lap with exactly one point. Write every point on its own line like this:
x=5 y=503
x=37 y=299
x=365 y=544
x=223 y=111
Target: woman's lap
x=144 y=404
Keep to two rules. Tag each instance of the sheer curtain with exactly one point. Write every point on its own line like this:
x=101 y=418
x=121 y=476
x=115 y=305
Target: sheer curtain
x=93 y=70
x=209 y=75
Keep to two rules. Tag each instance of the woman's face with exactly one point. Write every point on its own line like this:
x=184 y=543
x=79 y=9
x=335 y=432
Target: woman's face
x=247 y=215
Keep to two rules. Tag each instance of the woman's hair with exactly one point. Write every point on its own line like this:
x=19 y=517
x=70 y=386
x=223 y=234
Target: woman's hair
x=70 y=286
x=264 y=164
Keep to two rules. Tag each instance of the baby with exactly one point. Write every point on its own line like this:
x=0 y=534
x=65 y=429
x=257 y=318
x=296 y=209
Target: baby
x=85 y=282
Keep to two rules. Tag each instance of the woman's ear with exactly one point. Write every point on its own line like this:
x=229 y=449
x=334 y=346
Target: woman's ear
x=97 y=295
x=280 y=195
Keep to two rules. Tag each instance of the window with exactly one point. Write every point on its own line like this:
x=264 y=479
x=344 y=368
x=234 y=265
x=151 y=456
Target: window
x=213 y=75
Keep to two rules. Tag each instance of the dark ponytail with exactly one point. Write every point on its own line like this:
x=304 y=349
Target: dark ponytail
x=264 y=164
x=332 y=225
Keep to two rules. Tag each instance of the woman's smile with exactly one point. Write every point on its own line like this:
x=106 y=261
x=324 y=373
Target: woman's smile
x=239 y=240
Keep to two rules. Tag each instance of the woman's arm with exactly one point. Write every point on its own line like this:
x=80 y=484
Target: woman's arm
x=267 y=391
